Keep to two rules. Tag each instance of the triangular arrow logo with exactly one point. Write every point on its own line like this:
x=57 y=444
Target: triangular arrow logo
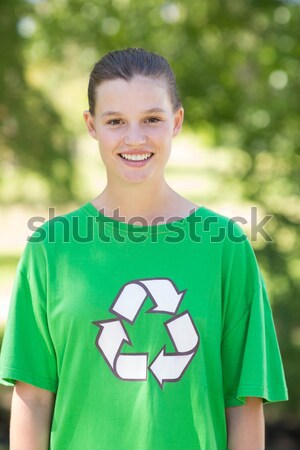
x=166 y=367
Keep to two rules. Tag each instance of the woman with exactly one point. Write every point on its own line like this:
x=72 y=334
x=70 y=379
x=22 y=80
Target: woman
x=141 y=320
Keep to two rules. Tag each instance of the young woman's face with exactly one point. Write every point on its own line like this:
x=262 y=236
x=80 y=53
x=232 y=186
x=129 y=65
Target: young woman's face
x=134 y=124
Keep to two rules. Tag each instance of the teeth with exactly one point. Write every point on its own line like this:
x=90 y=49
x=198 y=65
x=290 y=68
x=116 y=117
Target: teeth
x=135 y=157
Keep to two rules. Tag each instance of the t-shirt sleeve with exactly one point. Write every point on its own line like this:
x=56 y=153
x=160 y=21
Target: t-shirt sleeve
x=251 y=360
x=27 y=352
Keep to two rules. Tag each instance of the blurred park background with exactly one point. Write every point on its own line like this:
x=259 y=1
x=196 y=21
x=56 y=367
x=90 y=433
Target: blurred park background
x=238 y=70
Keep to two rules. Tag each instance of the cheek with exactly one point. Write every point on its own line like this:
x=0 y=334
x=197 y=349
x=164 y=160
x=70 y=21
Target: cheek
x=162 y=133
x=107 y=140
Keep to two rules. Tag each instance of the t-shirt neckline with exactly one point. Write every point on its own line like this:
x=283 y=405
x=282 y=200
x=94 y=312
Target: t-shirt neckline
x=139 y=226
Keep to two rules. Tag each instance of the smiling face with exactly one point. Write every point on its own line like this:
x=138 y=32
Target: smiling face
x=134 y=124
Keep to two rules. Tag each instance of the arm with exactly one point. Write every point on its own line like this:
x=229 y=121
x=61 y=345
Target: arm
x=31 y=417
x=245 y=426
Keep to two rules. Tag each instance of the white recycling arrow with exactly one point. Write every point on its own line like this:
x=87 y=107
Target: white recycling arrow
x=171 y=366
x=129 y=301
x=132 y=366
x=164 y=294
x=109 y=341
x=183 y=332
x=131 y=297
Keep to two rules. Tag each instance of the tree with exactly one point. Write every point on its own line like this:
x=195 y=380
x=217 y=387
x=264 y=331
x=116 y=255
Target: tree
x=32 y=134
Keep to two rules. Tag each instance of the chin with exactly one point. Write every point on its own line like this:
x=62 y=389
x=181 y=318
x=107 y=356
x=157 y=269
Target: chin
x=137 y=178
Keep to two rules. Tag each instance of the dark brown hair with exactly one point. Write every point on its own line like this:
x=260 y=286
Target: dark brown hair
x=128 y=63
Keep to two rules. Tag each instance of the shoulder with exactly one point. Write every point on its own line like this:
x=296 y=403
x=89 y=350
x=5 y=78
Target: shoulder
x=59 y=227
x=219 y=227
x=228 y=239
x=48 y=235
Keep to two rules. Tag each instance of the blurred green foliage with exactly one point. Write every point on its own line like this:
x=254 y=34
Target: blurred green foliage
x=237 y=67
x=32 y=134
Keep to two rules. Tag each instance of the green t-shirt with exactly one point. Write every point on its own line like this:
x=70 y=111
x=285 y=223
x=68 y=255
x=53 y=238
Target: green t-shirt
x=145 y=333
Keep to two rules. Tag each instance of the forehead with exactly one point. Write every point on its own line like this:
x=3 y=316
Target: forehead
x=141 y=92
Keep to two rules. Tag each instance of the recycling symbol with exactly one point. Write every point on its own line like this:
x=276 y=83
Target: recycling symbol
x=112 y=335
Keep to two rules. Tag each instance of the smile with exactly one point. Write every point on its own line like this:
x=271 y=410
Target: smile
x=136 y=157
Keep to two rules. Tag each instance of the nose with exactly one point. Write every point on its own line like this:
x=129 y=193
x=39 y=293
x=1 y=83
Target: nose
x=135 y=136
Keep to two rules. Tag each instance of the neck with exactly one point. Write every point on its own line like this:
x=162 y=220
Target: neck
x=147 y=201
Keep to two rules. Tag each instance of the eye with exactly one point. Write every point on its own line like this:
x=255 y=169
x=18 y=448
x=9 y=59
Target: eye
x=114 y=122
x=153 y=120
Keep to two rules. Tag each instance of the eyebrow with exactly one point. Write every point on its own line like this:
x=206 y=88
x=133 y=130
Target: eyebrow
x=147 y=111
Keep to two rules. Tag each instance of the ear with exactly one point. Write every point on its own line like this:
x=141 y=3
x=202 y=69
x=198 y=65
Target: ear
x=89 y=120
x=178 y=121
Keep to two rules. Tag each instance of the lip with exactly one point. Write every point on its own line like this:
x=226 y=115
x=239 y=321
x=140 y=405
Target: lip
x=141 y=163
